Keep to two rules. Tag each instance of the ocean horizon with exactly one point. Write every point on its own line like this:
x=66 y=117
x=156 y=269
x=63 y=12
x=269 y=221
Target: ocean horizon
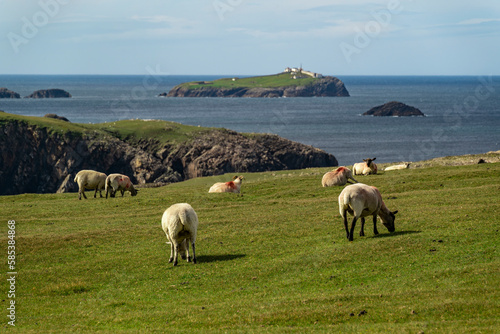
x=462 y=112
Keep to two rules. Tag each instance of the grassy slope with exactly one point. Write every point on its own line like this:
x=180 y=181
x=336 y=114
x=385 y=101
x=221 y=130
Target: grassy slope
x=268 y=81
x=273 y=260
x=129 y=130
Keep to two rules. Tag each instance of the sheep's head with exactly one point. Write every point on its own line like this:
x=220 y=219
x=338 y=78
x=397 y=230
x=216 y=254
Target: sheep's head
x=133 y=191
x=237 y=178
x=369 y=161
x=388 y=221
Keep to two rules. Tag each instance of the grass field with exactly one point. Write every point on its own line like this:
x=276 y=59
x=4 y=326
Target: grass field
x=275 y=260
x=267 y=81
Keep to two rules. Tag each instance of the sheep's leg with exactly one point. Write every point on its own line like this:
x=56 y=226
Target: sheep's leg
x=82 y=192
x=353 y=224
x=185 y=247
x=172 y=251
x=362 y=232
x=95 y=193
x=194 y=252
x=176 y=253
x=345 y=223
x=375 y=231
x=123 y=192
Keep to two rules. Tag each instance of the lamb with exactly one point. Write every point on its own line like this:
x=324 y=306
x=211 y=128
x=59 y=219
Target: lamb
x=90 y=179
x=115 y=182
x=362 y=201
x=365 y=168
x=395 y=167
x=227 y=187
x=337 y=177
x=180 y=224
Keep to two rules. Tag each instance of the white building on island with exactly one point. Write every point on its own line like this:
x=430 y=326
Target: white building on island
x=295 y=70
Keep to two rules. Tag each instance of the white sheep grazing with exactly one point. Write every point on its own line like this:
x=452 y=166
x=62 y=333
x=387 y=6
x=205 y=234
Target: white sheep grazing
x=115 y=182
x=362 y=201
x=365 y=168
x=180 y=224
x=233 y=186
x=396 y=167
x=337 y=177
x=90 y=179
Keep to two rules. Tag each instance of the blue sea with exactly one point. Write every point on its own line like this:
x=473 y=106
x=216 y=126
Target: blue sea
x=462 y=112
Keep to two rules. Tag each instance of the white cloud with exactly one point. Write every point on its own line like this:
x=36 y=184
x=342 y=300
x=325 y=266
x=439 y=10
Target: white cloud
x=477 y=21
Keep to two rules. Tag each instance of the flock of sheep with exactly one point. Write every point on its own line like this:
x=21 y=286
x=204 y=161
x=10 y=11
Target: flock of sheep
x=90 y=179
x=180 y=221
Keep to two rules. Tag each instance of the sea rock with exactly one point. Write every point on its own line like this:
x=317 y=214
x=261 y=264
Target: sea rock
x=394 y=108
x=49 y=93
x=8 y=94
x=62 y=118
x=326 y=86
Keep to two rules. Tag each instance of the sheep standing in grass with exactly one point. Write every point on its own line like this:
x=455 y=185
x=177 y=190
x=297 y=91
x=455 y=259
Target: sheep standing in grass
x=365 y=168
x=337 y=177
x=90 y=179
x=115 y=182
x=233 y=186
x=362 y=201
x=180 y=224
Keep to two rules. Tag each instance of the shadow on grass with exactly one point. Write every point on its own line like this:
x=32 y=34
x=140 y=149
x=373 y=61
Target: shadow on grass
x=217 y=258
x=388 y=234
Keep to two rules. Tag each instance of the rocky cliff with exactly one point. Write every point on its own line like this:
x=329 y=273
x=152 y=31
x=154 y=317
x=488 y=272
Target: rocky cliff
x=326 y=86
x=37 y=157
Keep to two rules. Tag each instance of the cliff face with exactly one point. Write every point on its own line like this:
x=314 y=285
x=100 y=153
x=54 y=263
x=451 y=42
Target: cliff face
x=327 y=86
x=40 y=160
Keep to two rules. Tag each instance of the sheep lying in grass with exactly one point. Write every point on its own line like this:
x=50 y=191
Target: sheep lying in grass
x=396 y=167
x=90 y=179
x=362 y=201
x=233 y=186
x=180 y=224
x=115 y=182
x=365 y=168
x=337 y=177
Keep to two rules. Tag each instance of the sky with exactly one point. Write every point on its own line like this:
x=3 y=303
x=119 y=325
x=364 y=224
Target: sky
x=250 y=37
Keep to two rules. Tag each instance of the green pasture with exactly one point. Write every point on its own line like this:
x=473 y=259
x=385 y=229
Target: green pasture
x=132 y=131
x=274 y=260
x=267 y=81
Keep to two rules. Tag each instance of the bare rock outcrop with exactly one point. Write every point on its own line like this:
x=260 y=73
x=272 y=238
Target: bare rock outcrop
x=394 y=108
x=49 y=93
x=8 y=94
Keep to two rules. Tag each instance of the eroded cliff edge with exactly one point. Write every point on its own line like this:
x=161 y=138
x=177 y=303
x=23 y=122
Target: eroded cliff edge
x=43 y=155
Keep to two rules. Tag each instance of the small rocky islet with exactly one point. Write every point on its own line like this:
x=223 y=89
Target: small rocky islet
x=395 y=109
